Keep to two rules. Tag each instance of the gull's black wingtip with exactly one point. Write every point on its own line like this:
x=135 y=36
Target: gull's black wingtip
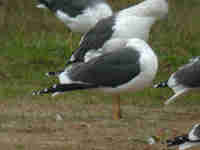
x=34 y=93
x=161 y=84
x=41 y=92
x=49 y=74
x=177 y=140
x=69 y=62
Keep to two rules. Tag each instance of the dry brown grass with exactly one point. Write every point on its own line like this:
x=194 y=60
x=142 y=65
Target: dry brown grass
x=31 y=126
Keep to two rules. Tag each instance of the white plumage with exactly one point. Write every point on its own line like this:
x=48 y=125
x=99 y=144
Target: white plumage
x=149 y=8
x=136 y=21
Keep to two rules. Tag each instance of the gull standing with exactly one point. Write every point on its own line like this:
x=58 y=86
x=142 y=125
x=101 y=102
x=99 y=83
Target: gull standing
x=185 y=79
x=78 y=15
x=123 y=65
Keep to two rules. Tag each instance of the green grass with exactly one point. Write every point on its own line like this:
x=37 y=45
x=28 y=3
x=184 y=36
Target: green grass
x=33 y=42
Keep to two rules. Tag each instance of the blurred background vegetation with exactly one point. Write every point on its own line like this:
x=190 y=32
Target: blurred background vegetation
x=34 y=41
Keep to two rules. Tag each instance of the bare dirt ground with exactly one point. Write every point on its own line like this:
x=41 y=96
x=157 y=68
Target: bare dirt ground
x=64 y=126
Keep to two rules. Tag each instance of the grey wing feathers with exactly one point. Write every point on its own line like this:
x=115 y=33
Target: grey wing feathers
x=75 y=7
x=189 y=74
x=108 y=70
x=95 y=38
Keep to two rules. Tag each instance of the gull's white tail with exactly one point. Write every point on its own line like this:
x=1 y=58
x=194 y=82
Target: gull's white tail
x=174 y=96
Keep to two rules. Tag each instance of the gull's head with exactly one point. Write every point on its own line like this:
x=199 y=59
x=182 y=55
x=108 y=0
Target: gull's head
x=158 y=8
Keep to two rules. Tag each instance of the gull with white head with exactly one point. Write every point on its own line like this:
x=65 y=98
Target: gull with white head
x=122 y=66
x=185 y=79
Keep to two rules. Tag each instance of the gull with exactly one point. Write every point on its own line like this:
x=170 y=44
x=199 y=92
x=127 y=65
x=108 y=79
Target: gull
x=185 y=79
x=122 y=66
x=79 y=15
x=187 y=140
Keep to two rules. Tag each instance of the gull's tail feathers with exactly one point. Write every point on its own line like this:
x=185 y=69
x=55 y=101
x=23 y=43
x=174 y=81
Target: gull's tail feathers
x=162 y=84
x=46 y=4
x=41 y=6
x=174 y=96
x=177 y=141
x=57 y=73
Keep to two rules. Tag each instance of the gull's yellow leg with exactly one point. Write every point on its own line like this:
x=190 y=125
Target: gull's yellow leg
x=116 y=108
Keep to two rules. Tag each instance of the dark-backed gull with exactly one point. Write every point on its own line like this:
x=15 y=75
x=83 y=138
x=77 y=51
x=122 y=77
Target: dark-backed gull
x=78 y=15
x=129 y=65
x=187 y=140
x=185 y=79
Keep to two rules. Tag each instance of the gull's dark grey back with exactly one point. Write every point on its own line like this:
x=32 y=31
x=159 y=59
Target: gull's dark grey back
x=110 y=69
x=189 y=74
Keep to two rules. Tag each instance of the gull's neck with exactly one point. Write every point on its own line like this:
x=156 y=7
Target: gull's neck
x=148 y=8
